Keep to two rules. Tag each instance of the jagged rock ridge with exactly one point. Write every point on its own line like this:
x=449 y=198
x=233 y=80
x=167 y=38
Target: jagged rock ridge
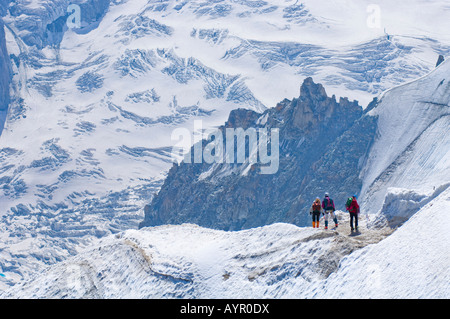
x=322 y=144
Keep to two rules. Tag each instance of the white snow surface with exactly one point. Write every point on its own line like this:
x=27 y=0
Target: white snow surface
x=412 y=148
x=275 y=261
x=414 y=262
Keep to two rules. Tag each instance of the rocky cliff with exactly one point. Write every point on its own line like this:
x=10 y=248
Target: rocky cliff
x=5 y=74
x=322 y=144
x=5 y=70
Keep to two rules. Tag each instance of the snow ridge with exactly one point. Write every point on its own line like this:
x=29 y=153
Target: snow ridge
x=276 y=261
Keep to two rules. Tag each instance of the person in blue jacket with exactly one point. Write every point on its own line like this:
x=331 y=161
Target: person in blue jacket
x=329 y=209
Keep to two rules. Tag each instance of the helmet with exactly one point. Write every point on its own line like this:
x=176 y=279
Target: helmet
x=327 y=195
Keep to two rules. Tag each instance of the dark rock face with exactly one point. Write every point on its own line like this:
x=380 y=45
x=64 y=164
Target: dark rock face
x=440 y=60
x=322 y=144
x=5 y=70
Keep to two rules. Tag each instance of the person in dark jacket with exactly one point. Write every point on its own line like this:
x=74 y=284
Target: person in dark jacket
x=353 y=209
x=315 y=211
x=328 y=207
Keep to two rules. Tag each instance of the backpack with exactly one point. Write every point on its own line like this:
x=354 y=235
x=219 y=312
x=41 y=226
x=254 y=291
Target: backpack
x=316 y=207
x=349 y=202
x=329 y=203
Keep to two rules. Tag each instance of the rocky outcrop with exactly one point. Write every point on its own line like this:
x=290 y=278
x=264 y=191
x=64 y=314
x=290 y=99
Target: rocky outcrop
x=322 y=144
x=5 y=71
x=440 y=60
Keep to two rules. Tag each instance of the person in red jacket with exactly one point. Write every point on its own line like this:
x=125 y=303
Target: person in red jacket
x=353 y=209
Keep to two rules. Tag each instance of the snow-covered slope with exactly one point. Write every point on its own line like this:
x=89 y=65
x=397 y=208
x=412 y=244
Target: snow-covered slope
x=412 y=149
x=276 y=261
x=414 y=262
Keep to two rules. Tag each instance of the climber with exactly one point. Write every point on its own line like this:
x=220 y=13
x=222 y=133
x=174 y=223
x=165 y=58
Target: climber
x=315 y=211
x=353 y=209
x=328 y=207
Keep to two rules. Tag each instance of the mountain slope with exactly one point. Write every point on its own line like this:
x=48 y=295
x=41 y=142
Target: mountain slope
x=276 y=261
x=188 y=261
x=412 y=148
x=411 y=263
